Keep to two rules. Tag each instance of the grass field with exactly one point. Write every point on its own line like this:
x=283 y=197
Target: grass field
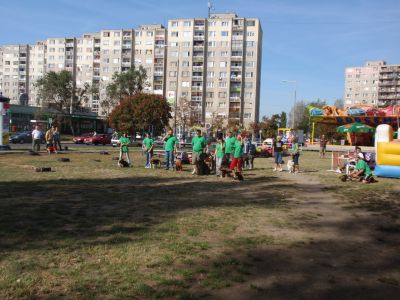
x=92 y=230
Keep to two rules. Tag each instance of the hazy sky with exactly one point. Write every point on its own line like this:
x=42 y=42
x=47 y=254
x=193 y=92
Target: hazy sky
x=309 y=41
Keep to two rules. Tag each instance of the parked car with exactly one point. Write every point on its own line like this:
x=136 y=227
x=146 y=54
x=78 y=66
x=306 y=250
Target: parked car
x=21 y=137
x=81 y=139
x=115 y=139
x=98 y=139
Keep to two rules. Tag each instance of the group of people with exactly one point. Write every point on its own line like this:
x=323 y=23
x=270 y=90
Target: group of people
x=52 y=138
x=277 y=152
x=227 y=152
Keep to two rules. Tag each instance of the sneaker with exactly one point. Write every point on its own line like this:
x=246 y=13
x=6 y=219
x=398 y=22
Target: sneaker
x=274 y=170
x=280 y=169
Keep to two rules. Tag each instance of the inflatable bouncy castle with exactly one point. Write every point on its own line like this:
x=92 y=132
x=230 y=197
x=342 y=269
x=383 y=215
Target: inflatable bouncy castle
x=387 y=152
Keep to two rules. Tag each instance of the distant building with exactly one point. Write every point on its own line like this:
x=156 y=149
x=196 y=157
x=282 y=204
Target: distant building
x=215 y=63
x=376 y=84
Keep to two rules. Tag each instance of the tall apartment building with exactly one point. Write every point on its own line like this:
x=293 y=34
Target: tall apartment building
x=376 y=84
x=150 y=52
x=213 y=62
x=37 y=69
x=15 y=73
x=389 y=85
x=216 y=63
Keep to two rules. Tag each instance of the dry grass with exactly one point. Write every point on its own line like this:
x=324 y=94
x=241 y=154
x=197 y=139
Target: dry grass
x=92 y=230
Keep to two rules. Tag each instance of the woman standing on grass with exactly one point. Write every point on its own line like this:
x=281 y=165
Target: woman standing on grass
x=277 y=148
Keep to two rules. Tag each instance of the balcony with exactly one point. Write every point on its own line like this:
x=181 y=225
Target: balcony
x=160 y=38
x=237 y=37
x=159 y=54
x=69 y=45
x=198 y=68
x=197 y=88
x=197 y=98
x=126 y=46
x=198 y=38
x=158 y=73
x=236 y=78
x=197 y=78
x=126 y=64
x=236 y=58
x=237 y=27
x=199 y=27
x=198 y=58
x=198 y=47
x=236 y=68
x=236 y=89
x=234 y=99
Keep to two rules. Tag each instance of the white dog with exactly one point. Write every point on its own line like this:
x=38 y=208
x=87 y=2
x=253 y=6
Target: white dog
x=290 y=166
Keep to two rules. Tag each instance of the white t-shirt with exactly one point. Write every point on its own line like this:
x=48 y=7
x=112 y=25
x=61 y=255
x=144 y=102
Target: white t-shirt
x=36 y=134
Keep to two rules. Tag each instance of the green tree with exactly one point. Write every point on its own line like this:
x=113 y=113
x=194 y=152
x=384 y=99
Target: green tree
x=270 y=125
x=125 y=84
x=140 y=111
x=57 y=91
x=283 y=120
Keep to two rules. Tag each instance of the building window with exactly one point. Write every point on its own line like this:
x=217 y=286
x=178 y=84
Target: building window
x=224 y=53
x=117 y=34
x=212 y=23
x=250 y=33
x=222 y=84
x=247 y=115
x=211 y=44
x=185 y=84
x=250 y=44
x=172 y=74
x=172 y=84
x=251 y=23
x=174 y=24
x=106 y=34
x=174 y=33
x=223 y=64
x=224 y=33
x=210 y=84
x=211 y=33
x=210 y=53
x=210 y=74
x=187 y=34
x=210 y=95
x=222 y=74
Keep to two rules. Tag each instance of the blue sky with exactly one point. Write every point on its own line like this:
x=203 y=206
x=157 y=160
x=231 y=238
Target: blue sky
x=309 y=41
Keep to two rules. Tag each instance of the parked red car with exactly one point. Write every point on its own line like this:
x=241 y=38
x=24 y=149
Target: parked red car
x=81 y=139
x=98 y=139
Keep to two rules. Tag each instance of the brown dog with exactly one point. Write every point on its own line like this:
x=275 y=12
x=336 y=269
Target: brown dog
x=155 y=163
x=178 y=165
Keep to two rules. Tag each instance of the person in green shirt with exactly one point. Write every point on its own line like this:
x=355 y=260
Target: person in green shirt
x=147 y=146
x=124 y=142
x=229 y=145
x=236 y=164
x=219 y=155
x=362 y=171
x=198 y=145
x=170 y=149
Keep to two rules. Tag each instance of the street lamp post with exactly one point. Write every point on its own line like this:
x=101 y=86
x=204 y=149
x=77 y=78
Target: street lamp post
x=295 y=98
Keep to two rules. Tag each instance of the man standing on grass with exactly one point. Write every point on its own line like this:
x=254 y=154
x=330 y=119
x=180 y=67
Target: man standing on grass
x=322 y=146
x=198 y=145
x=170 y=149
x=219 y=155
x=36 y=139
x=229 y=145
x=236 y=164
x=49 y=140
x=56 y=139
x=148 y=145
x=124 y=142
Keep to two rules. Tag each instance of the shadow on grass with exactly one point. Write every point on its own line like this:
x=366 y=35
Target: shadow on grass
x=69 y=213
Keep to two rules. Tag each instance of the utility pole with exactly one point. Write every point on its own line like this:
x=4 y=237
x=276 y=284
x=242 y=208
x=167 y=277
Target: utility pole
x=210 y=7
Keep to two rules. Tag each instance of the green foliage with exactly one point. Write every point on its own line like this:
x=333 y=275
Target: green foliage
x=283 y=121
x=141 y=111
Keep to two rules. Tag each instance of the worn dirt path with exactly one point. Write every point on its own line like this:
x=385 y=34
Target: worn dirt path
x=344 y=257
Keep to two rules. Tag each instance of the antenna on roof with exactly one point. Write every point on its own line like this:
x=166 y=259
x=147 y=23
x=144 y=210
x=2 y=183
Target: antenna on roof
x=210 y=7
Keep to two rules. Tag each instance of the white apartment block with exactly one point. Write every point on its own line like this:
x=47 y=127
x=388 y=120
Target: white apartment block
x=213 y=62
x=216 y=63
x=14 y=82
x=37 y=69
x=376 y=84
x=150 y=52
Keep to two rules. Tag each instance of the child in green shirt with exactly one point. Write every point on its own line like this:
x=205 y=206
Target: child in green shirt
x=219 y=155
x=148 y=145
x=124 y=142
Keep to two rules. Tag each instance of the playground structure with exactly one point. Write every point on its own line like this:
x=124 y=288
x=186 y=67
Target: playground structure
x=387 y=152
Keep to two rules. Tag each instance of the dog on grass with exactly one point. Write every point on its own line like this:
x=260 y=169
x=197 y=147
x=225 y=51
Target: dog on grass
x=155 y=163
x=123 y=163
x=290 y=166
x=178 y=165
